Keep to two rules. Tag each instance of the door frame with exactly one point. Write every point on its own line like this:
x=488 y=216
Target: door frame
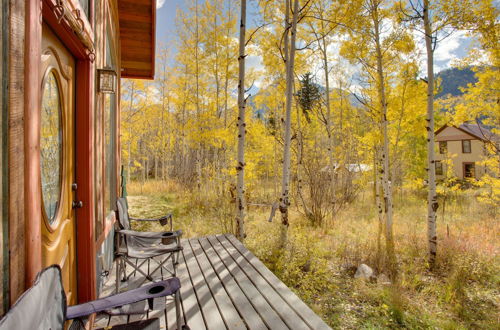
x=36 y=12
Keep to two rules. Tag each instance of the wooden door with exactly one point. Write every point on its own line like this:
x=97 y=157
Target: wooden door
x=57 y=155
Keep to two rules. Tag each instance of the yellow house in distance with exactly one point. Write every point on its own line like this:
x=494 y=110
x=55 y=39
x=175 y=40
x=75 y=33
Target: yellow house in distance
x=460 y=151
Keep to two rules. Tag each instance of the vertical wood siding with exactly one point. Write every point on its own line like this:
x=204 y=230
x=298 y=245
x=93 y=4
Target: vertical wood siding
x=32 y=113
x=16 y=149
x=3 y=232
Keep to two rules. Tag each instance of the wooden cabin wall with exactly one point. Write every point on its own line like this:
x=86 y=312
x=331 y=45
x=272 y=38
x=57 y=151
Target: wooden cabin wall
x=99 y=40
x=3 y=227
x=106 y=24
x=16 y=203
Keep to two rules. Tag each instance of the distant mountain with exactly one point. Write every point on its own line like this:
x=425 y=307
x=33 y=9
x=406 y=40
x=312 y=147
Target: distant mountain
x=452 y=79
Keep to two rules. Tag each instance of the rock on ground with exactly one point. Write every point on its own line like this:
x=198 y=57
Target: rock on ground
x=364 y=272
x=383 y=279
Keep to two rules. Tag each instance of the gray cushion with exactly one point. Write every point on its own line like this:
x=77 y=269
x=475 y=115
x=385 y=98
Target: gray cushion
x=43 y=306
x=121 y=204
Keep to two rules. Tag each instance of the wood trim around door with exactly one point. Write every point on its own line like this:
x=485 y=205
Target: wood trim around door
x=32 y=189
x=85 y=243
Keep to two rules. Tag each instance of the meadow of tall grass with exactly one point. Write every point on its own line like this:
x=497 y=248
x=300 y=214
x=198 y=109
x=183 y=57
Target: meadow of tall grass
x=461 y=292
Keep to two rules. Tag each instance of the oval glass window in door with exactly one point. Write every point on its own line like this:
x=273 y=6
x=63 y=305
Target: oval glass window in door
x=51 y=146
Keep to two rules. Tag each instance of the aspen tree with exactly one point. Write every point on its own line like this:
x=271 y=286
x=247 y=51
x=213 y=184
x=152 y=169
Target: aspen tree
x=240 y=167
x=289 y=60
x=438 y=17
x=432 y=202
x=322 y=34
x=198 y=110
x=386 y=184
x=380 y=211
x=377 y=43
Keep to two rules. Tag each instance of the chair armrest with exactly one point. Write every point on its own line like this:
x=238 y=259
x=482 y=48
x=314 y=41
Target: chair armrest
x=166 y=237
x=162 y=220
x=150 y=234
x=149 y=292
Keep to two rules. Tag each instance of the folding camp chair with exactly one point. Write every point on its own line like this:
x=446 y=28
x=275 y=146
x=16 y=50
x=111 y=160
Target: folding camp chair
x=45 y=303
x=143 y=247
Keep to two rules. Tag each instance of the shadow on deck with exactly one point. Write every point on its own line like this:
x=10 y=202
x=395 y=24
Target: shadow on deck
x=224 y=286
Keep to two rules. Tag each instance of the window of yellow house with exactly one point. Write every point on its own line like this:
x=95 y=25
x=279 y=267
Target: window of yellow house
x=439 y=167
x=466 y=146
x=469 y=170
x=443 y=147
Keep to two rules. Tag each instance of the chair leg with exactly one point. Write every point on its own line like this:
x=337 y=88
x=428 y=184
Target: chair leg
x=124 y=269
x=177 y=257
x=178 y=309
x=174 y=264
x=117 y=275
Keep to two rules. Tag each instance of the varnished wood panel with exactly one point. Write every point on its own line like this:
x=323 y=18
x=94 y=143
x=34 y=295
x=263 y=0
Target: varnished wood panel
x=32 y=189
x=85 y=179
x=59 y=236
x=16 y=150
x=137 y=27
x=3 y=239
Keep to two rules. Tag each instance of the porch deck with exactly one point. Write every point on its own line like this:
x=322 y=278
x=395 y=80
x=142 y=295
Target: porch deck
x=224 y=286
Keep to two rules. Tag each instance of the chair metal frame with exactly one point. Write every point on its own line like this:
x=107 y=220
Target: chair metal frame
x=130 y=244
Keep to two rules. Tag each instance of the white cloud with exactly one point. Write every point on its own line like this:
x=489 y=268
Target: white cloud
x=254 y=62
x=446 y=49
x=159 y=3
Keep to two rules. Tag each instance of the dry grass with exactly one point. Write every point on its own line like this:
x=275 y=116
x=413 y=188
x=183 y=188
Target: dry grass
x=462 y=292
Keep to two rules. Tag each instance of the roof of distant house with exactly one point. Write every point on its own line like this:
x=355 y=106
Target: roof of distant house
x=478 y=131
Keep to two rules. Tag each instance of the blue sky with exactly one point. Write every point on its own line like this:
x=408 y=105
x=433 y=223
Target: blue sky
x=165 y=17
x=454 y=47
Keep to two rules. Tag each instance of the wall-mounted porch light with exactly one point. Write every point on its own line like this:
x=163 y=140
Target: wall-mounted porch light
x=107 y=81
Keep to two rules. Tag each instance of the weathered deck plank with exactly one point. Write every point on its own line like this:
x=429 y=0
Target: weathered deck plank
x=243 y=305
x=227 y=310
x=191 y=309
x=304 y=312
x=223 y=286
x=265 y=310
x=267 y=291
x=210 y=312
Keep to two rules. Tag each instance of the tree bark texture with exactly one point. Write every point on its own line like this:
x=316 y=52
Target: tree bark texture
x=432 y=202
x=385 y=151
x=285 y=185
x=240 y=167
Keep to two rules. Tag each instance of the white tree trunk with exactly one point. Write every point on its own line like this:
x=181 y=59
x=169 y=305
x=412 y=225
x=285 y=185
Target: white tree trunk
x=285 y=186
x=198 y=111
x=156 y=166
x=385 y=151
x=331 y=142
x=129 y=162
x=240 y=167
x=432 y=203
x=380 y=211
